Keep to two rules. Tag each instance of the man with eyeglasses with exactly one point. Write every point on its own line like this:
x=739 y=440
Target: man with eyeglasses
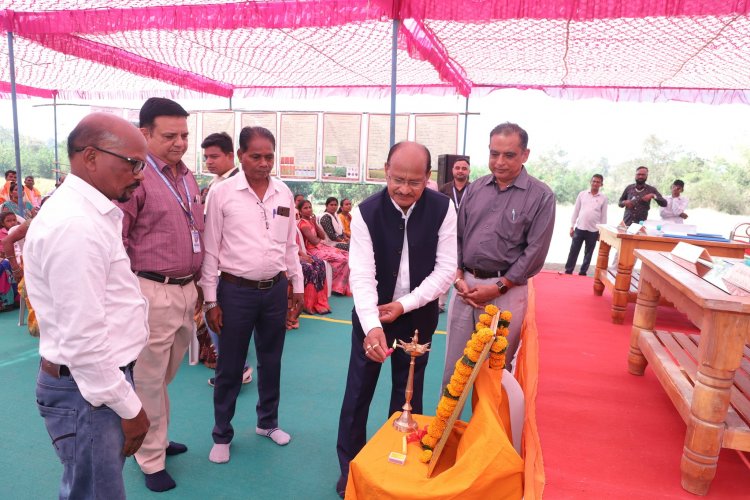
x=402 y=256
x=251 y=256
x=162 y=231
x=91 y=313
x=505 y=225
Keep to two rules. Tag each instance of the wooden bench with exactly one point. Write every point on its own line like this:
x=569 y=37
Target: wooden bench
x=677 y=371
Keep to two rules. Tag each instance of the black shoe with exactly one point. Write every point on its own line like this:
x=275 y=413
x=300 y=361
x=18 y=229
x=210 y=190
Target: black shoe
x=175 y=448
x=159 y=481
x=341 y=486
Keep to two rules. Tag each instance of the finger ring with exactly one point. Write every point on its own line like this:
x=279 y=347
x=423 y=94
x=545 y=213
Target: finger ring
x=375 y=346
x=369 y=347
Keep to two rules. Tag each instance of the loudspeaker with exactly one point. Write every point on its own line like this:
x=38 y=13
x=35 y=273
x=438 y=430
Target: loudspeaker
x=445 y=167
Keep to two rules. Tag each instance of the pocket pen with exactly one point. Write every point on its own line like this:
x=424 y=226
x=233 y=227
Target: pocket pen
x=513 y=215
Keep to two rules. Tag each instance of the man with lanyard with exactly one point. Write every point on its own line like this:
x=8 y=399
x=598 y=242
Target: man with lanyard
x=455 y=190
x=162 y=233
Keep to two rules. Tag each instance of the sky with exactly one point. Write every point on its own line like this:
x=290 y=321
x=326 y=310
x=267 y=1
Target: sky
x=587 y=129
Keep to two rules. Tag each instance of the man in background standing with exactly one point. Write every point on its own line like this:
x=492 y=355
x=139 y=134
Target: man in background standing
x=218 y=153
x=162 y=233
x=455 y=191
x=636 y=198
x=92 y=315
x=31 y=193
x=674 y=212
x=590 y=209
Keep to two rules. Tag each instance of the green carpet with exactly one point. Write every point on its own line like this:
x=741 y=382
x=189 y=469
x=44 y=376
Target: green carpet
x=313 y=379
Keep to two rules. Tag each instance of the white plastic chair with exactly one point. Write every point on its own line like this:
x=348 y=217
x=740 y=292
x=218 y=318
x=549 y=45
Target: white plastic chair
x=516 y=404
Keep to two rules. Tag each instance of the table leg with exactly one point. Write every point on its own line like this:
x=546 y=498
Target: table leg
x=602 y=261
x=719 y=360
x=644 y=319
x=620 y=293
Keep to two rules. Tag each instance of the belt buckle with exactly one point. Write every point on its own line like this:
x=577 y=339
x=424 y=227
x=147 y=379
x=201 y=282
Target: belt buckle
x=265 y=284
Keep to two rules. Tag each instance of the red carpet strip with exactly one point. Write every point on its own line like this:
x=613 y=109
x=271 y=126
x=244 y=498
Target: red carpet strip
x=605 y=433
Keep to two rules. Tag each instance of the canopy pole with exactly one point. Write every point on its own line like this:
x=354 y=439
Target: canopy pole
x=57 y=158
x=16 y=142
x=466 y=124
x=394 y=56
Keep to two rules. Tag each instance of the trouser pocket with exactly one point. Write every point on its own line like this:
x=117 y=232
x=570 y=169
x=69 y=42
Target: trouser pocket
x=61 y=427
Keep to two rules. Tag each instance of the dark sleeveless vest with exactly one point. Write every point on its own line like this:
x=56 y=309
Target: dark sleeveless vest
x=386 y=226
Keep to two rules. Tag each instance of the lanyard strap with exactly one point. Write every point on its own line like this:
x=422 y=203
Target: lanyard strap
x=189 y=209
x=455 y=197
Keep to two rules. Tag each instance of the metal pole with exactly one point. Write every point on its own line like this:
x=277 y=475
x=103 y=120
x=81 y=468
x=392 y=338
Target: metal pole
x=57 y=159
x=16 y=142
x=394 y=56
x=466 y=124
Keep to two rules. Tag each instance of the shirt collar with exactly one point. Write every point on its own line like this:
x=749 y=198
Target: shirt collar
x=521 y=181
x=401 y=212
x=103 y=204
x=241 y=183
x=182 y=169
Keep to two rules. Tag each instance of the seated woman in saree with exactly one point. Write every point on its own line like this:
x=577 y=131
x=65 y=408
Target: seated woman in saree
x=316 y=285
x=334 y=232
x=345 y=216
x=314 y=237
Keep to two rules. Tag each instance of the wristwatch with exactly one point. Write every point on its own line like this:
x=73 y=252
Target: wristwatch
x=207 y=306
x=501 y=287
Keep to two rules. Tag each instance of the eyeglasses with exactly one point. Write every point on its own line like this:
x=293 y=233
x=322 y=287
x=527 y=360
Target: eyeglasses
x=136 y=165
x=402 y=182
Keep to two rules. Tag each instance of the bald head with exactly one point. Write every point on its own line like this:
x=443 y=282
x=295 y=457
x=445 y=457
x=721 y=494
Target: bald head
x=407 y=170
x=101 y=149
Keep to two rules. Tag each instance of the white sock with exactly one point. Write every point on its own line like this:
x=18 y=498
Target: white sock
x=219 y=453
x=279 y=437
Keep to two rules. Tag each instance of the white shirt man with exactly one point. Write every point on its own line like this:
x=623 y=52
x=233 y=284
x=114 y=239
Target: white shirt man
x=590 y=209
x=92 y=316
x=674 y=212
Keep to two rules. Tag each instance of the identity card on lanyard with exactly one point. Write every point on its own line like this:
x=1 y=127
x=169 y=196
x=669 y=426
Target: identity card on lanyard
x=194 y=234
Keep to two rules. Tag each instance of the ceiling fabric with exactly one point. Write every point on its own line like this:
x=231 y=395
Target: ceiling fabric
x=644 y=50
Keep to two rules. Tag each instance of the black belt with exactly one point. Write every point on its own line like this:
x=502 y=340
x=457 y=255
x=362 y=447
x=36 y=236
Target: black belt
x=58 y=371
x=160 y=278
x=484 y=275
x=259 y=285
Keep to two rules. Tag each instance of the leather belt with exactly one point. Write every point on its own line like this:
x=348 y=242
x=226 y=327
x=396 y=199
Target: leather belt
x=58 y=371
x=160 y=278
x=484 y=275
x=258 y=285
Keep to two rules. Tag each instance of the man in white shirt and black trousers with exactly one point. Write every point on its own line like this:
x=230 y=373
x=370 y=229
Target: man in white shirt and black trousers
x=402 y=256
x=92 y=315
x=250 y=239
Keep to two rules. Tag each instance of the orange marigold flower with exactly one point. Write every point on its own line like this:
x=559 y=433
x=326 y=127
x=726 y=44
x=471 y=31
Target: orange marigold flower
x=499 y=345
x=463 y=369
x=491 y=309
x=433 y=431
x=443 y=412
x=453 y=391
x=484 y=335
x=478 y=326
x=471 y=354
x=426 y=456
x=497 y=365
x=429 y=441
x=506 y=316
x=485 y=319
x=503 y=331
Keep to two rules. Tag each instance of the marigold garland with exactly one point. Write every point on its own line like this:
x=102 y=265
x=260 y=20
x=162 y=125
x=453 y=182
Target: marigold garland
x=464 y=366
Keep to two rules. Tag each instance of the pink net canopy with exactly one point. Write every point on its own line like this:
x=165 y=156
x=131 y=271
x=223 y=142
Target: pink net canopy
x=692 y=50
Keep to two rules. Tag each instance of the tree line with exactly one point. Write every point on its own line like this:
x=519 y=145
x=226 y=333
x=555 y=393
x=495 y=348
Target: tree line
x=710 y=183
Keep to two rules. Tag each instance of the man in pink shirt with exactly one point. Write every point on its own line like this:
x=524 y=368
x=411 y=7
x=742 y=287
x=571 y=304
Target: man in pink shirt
x=251 y=242
x=590 y=210
x=162 y=231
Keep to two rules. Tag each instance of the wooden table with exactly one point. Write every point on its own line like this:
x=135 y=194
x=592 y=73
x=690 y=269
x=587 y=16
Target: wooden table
x=707 y=377
x=622 y=283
